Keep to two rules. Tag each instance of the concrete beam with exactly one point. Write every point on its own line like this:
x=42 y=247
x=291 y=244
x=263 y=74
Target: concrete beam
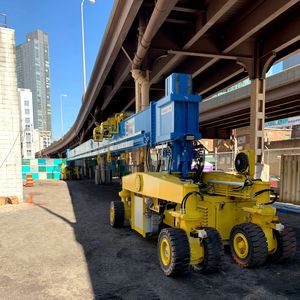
x=254 y=21
x=216 y=9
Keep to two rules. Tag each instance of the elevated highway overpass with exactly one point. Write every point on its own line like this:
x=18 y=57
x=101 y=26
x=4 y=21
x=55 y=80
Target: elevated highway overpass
x=219 y=42
x=220 y=114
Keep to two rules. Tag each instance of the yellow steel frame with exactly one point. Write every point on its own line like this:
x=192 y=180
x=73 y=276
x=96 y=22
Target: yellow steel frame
x=107 y=128
x=223 y=209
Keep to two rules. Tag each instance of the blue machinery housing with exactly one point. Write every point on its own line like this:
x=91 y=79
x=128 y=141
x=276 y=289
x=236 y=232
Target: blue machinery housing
x=172 y=121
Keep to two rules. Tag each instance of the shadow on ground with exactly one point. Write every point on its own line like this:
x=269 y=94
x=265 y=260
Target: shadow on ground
x=123 y=265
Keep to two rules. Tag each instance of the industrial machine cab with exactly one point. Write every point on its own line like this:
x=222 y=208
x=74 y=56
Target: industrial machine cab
x=193 y=213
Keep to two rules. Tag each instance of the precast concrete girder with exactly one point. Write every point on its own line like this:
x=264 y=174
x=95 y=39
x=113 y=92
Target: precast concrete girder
x=124 y=71
x=226 y=38
x=255 y=18
x=215 y=10
x=142 y=89
x=226 y=70
x=245 y=27
x=282 y=36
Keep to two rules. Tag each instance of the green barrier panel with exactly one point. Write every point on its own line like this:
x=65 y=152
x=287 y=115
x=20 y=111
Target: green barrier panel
x=35 y=176
x=57 y=161
x=56 y=169
x=56 y=175
x=42 y=168
x=26 y=162
x=25 y=169
x=49 y=176
x=49 y=169
x=42 y=161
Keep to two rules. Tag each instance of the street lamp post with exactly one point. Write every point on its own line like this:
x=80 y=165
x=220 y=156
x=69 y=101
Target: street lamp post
x=61 y=115
x=83 y=45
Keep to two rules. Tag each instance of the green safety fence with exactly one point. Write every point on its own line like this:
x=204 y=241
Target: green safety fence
x=42 y=168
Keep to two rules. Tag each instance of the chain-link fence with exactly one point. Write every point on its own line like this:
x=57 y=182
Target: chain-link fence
x=224 y=161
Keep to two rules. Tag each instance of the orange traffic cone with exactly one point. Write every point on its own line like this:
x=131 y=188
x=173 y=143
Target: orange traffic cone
x=29 y=180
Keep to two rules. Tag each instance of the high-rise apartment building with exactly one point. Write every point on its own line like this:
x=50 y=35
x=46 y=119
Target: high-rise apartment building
x=33 y=73
x=27 y=131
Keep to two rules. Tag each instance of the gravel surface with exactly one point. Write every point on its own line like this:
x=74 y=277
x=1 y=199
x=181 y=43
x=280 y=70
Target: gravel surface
x=62 y=247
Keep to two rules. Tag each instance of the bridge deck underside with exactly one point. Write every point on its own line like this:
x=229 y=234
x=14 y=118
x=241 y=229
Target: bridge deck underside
x=219 y=42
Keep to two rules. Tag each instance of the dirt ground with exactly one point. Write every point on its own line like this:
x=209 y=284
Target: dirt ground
x=60 y=246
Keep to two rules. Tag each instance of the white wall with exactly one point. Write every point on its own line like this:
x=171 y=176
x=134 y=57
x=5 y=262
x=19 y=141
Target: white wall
x=25 y=99
x=10 y=147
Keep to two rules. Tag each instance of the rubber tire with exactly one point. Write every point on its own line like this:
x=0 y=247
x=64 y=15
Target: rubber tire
x=286 y=245
x=241 y=162
x=180 y=251
x=213 y=252
x=119 y=214
x=257 y=242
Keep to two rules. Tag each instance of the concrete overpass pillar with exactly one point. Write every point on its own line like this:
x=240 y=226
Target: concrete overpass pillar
x=97 y=175
x=142 y=89
x=102 y=169
x=257 y=69
x=108 y=177
x=105 y=174
x=257 y=121
x=84 y=167
x=142 y=95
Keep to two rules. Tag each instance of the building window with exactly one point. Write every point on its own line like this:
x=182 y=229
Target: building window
x=27 y=111
x=27 y=120
x=26 y=103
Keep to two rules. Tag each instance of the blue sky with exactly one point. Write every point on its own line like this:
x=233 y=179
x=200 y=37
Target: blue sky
x=61 y=20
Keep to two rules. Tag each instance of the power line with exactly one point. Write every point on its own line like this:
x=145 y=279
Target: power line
x=10 y=150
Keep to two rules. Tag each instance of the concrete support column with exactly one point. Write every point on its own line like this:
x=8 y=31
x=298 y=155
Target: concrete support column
x=97 y=175
x=84 y=167
x=102 y=169
x=145 y=93
x=137 y=97
x=107 y=174
x=257 y=121
x=134 y=160
x=81 y=172
x=142 y=89
x=137 y=160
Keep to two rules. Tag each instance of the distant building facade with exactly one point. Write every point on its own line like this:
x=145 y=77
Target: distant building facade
x=27 y=136
x=296 y=132
x=33 y=72
x=42 y=139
